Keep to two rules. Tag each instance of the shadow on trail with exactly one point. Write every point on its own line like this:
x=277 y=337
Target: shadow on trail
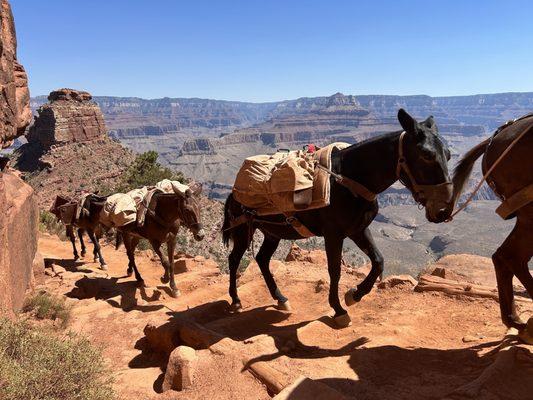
x=388 y=372
x=123 y=295
x=69 y=265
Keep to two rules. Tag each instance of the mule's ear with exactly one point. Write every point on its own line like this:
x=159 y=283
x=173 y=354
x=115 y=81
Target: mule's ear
x=196 y=188
x=429 y=122
x=407 y=122
x=188 y=193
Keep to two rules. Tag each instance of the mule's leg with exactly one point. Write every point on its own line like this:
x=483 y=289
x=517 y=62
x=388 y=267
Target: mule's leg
x=131 y=242
x=333 y=246
x=69 y=230
x=365 y=242
x=97 y=249
x=156 y=245
x=83 y=249
x=240 y=244
x=171 y=245
x=263 y=257
x=512 y=257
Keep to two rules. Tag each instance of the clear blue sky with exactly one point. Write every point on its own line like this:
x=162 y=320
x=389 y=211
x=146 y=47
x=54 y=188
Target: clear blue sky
x=255 y=50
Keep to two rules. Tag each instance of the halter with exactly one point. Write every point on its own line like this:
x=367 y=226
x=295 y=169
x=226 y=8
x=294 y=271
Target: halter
x=440 y=190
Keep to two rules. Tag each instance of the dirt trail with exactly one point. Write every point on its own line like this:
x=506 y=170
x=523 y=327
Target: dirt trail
x=402 y=344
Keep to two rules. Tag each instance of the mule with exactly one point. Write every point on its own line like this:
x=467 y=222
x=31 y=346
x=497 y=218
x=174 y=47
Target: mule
x=416 y=156
x=514 y=173
x=88 y=222
x=161 y=225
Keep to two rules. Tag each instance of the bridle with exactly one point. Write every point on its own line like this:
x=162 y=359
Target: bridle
x=421 y=193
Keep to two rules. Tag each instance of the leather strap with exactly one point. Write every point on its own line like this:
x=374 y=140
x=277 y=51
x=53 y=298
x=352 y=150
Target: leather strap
x=356 y=188
x=297 y=225
x=515 y=202
x=439 y=189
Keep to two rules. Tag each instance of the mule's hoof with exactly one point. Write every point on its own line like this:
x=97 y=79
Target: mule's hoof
x=103 y=267
x=95 y=259
x=76 y=257
x=174 y=293
x=526 y=335
x=349 y=297
x=236 y=307
x=165 y=279
x=284 y=306
x=343 y=321
x=129 y=273
x=83 y=254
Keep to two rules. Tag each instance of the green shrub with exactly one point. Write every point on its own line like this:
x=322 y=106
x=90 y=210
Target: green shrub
x=39 y=365
x=45 y=306
x=146 y=171
x=48 y=223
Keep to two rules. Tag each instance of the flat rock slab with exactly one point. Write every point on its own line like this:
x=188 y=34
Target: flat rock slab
x=304 y=388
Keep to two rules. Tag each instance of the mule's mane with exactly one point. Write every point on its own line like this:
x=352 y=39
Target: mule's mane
x=371 y=140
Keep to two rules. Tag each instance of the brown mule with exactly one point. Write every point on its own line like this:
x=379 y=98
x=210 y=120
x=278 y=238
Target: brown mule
x=65 y=210
x=161 y=226
x=512 y=180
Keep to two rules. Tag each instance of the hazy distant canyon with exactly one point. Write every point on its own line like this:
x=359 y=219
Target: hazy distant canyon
x=208 y=139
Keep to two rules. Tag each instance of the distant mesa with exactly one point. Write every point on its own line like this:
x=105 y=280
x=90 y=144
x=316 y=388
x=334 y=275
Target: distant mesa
x=70 y=116
x=68 y=148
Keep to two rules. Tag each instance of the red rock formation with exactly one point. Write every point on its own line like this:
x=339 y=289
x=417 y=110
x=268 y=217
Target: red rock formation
x=15 y=113
x=18 y=208
x=70 y=116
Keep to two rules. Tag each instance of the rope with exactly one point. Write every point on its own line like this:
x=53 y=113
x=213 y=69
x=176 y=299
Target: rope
x=493 y=166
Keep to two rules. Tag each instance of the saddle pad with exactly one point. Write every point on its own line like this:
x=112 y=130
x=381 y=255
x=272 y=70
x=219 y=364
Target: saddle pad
x=81 y=204
x=268 y=183
x=146 y=204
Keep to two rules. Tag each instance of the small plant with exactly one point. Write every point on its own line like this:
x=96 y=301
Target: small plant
x=36 y=365
x=48 y=223
x=46 y=306
x=146 y=171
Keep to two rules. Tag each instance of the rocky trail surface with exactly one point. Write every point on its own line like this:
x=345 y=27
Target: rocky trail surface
x=402 y=344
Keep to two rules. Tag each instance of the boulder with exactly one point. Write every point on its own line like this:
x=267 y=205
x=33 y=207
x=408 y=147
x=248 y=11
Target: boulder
x=19 y=221
x=311 y=256
x=396 y=280
x=181 y=366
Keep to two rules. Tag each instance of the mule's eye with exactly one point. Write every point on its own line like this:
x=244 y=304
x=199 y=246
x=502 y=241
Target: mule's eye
x=427 y=156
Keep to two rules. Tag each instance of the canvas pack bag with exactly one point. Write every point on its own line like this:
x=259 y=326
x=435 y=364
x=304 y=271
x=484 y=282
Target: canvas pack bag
x=285 y=182
x=119 y=209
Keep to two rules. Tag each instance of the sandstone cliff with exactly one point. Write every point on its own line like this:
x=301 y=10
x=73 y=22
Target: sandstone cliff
x=18 y=209
x=68 y=148
x=15 y=112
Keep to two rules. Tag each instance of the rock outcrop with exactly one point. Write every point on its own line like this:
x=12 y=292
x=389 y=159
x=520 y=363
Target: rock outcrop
x=18 y=208
x=68 y=148
x=15 y=113
x=70 y=116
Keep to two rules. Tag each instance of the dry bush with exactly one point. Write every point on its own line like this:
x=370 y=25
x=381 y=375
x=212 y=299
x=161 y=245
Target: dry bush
x=42 y=305
x=39 y=365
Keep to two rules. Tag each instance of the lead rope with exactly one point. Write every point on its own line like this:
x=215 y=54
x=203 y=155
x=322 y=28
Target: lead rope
x=478 y=186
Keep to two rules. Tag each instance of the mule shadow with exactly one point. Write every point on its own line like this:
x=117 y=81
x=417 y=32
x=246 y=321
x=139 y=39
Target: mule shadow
x=122 y=295
x=69 y=265
x=419 y=373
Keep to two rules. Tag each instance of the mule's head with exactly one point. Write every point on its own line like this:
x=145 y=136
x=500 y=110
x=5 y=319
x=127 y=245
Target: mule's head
x=424 y=168
x=190 y=211
x=58 y=202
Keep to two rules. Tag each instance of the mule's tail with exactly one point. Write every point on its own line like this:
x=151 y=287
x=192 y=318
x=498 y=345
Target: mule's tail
x=118 y=239
x=226 y=233
x=463 y=169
